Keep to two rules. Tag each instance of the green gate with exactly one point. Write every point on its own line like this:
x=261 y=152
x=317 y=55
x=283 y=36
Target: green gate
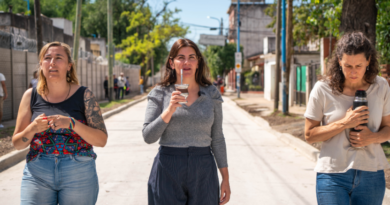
x=301 y=85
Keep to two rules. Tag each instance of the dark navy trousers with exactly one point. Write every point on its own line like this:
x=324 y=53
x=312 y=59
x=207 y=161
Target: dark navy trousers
x=184 y=176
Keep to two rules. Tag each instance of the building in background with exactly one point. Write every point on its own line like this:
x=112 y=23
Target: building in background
x=253 y=30
x=303 y=59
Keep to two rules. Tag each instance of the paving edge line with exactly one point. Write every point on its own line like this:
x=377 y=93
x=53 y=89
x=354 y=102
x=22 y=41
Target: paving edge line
x=302 y=147
x=121 y=108
x=17 y=156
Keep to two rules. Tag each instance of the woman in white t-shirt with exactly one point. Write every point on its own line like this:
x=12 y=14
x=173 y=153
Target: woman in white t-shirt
x=347 y=174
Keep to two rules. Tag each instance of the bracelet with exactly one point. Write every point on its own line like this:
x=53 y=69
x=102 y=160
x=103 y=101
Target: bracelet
x=72 y=123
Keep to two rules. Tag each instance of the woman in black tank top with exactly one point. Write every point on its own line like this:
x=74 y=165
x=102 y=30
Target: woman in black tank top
x=61 y=121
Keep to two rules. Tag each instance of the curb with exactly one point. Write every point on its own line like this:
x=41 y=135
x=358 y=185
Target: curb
x=17 y=156
x=299 y=145
x=121 y=108
x=13 y=158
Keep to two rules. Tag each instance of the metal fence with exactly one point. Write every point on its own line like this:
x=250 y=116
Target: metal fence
x=17 y=42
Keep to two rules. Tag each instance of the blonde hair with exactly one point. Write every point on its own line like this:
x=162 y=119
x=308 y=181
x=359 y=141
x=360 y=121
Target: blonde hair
x=71 y=75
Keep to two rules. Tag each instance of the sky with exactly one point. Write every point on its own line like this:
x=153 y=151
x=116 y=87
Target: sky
x=196 y=12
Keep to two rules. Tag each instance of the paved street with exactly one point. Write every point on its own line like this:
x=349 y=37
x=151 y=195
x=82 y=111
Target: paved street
x=263 y=170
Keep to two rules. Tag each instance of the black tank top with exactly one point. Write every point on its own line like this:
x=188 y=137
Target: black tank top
x=72 y=107
x=61 y=141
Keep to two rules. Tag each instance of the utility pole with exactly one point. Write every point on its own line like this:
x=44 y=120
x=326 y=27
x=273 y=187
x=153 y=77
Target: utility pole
x=77 y=34
x=238 y=48
x=152 y=64
x=276 y=97
x=110 y=49
x=221 y=29
x=38 y=25
x=284 y=82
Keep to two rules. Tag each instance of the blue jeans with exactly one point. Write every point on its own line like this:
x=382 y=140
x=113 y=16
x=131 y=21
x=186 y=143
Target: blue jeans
x=353 y=187
x=60 y=179
x=142 y=88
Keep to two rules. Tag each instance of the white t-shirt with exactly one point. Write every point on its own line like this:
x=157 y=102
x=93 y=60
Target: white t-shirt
x=34 y=82
x=121 y=81
x=2 y=78
x=337 y=155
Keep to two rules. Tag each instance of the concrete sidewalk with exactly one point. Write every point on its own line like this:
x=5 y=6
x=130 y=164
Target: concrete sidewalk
x=263 y=170
x=259 y=101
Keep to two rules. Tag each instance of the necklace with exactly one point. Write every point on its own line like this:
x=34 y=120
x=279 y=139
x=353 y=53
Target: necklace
x=47 y=98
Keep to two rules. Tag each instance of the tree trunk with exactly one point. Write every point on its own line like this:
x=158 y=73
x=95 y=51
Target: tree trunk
x=38 y=25
x=359 y=15
x=289 y=47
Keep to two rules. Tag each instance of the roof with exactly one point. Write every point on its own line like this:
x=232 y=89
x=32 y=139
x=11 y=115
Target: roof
x=234 y=4
x=254 y=56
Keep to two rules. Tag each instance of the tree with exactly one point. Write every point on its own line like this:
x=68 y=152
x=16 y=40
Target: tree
x=289 y=49
x=312 y=19
x=359 y=15
x=95 y=20
x=383 y=31
x=18 y=6
x=220 y=59
x=149 y=35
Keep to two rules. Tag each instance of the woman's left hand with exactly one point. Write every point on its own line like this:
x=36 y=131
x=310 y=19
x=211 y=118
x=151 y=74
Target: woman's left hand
x=225 y=192
x=363 y=138
x=58 y=122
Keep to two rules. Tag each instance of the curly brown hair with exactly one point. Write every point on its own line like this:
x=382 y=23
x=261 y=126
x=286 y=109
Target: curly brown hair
x=351 y=44
x=202 y=73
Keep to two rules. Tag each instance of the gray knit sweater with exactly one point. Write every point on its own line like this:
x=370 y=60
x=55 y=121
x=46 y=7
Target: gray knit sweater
x=199 y=125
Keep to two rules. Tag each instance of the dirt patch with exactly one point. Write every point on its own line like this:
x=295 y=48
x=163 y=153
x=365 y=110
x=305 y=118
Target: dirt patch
x=6 y=140
x=293 y=124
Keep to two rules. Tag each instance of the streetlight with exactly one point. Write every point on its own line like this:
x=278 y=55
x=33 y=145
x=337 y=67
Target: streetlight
x=220 y=23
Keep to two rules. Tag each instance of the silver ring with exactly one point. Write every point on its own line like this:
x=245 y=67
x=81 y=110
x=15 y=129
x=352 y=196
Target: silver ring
x=54 y=124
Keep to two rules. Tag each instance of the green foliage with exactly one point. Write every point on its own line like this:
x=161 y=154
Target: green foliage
x=383 y=31
x=18 y=6
x=249 y=80
x=149 y=35
x=255 y=87
x=220 y=59
x=95 y=19
x=312 y=19
x=49 y=8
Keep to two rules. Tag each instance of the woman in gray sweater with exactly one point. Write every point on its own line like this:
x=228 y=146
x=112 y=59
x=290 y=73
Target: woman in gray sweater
x=190 y=133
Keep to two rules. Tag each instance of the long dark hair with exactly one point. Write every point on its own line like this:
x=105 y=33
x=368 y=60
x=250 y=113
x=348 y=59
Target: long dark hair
x=202 y=73
x=352 y=44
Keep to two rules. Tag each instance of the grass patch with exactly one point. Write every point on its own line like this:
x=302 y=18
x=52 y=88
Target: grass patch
x=8 y=131
x=113 y=103
x=386 y=149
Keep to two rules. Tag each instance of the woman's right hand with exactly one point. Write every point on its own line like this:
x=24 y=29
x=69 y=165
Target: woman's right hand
x=354 y=118
x=175 y=99
x=40 y=124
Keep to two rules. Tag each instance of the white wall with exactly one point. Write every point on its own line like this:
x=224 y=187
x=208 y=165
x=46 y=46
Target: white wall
x=102 y=45
x=269 y=79
x=63 y=24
